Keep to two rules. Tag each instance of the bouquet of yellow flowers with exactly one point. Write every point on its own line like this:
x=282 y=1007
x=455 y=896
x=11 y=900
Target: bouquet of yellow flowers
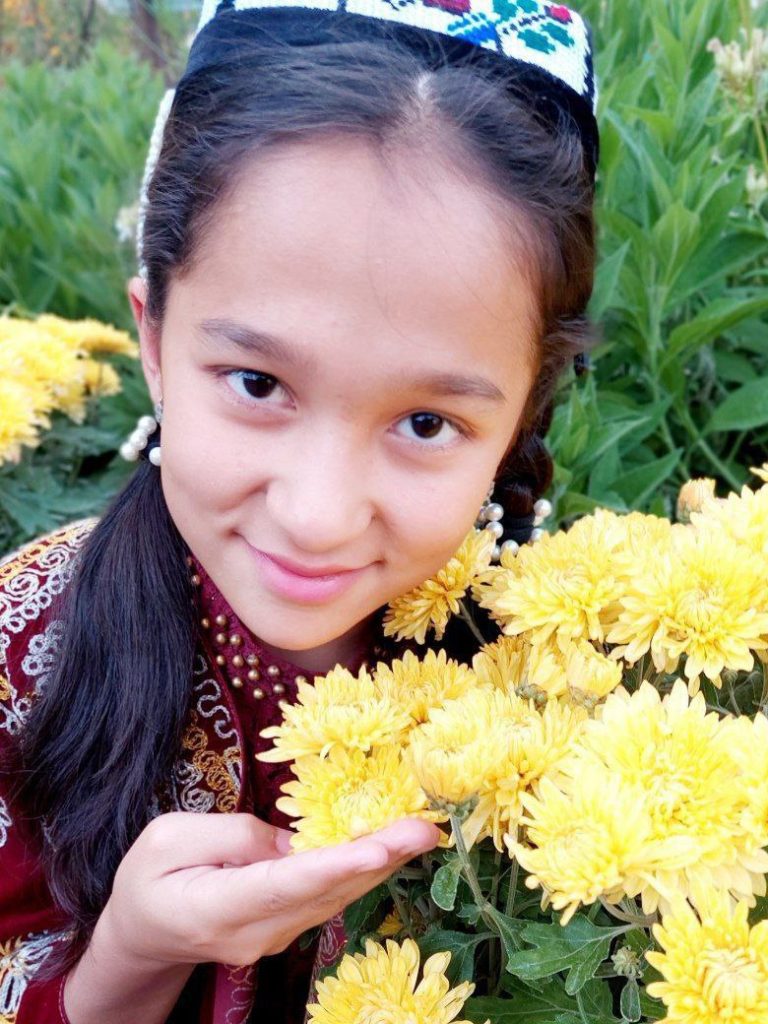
x=599 y=772
x=47 y=365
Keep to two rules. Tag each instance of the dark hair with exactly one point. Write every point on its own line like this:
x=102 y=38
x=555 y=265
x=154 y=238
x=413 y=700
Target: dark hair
x=103 y=739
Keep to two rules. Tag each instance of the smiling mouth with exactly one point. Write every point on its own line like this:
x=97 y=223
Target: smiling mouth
x=310 y=573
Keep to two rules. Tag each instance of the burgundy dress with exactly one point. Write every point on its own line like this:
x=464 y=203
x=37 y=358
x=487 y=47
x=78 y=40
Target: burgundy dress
x=235 y=692
x=259 y=681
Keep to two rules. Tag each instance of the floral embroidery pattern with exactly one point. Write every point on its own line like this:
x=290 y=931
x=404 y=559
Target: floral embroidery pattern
x=20 y=959
x=214 y=768
x=5 y=822
x=204 y=777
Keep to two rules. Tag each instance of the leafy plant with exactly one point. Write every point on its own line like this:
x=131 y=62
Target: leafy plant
x=681 y=373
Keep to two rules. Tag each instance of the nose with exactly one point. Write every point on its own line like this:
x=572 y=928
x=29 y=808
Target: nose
x=320 y=498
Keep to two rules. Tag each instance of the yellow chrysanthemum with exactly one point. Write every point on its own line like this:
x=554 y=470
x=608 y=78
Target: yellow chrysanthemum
x=350 y=794
x=715 y=967
x=456 y=754
x=491 y=582
x=44 y=368
x=339 y=709
x=748 y=739
x=538 y=743
x=381 y=986
x=694 y=496
x=700 y=598
x=544 y=671
x=587 y=840
x=503 y=664
x=100 y=379
x=484 y=750
x=565 y=585
x=694 y=788
x=430 y=605
x=743 y=519
x=390 y=927
x=761 y=471
x=18 y=421
x=89 y=335
x=419 y=684
x=589 y=673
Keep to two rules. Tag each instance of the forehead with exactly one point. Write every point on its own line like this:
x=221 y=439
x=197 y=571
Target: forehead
x=335 y=237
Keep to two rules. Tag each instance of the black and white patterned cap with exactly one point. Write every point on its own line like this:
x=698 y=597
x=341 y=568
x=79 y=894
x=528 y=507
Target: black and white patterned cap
x=549 y=44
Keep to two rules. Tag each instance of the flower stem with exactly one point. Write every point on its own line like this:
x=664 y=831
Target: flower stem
x=636 y=920
x=464 y=613
x=400 y=906
x=471 y=877
x=512 y=893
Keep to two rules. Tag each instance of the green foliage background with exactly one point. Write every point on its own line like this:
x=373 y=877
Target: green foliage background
x=679 y=385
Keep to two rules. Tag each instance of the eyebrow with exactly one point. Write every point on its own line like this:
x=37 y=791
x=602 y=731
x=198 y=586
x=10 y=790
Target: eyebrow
x=255 y=342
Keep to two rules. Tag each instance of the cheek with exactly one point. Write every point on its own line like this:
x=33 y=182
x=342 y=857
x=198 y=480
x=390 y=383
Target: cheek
x=203 y=472
x=431 y=529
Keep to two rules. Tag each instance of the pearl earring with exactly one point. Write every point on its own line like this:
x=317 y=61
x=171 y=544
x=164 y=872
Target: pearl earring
x=490 y=519
x=138 y=440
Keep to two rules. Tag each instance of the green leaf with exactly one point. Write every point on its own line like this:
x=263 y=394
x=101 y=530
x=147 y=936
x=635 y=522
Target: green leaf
x=638 y=484
x=460 y=945
x=469 y=912
x=446 y=883
x=523 y=1005
x=716 y=318
x=743 y=409
x=578 y=948
x=511 y=929
x=606 y=281
x=652 y=1009
x=630 y=1001
x=734 y=367
x=359 y=917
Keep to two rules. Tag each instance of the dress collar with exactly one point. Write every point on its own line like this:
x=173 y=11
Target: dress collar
x=243 y=660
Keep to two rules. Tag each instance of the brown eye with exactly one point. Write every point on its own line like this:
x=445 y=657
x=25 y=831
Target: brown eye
x=426 y=425
x=254 y=386
x=432 y=430
x=259 y=385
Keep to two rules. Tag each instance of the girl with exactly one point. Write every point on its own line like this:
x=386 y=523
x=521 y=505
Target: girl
x=367 y=251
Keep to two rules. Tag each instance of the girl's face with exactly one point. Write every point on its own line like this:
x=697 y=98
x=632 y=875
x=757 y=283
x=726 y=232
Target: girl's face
x=342 y=369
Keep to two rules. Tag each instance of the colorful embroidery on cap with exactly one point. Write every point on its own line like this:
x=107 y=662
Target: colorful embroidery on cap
x=550 y=36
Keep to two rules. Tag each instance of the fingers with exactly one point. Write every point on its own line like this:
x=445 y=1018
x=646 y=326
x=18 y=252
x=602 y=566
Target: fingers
x=184 y=839
x=304 y=878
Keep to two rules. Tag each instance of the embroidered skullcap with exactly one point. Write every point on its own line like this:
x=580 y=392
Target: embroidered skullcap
x=547 y=46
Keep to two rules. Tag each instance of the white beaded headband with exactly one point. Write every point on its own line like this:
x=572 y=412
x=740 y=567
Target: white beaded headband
x=549 y=43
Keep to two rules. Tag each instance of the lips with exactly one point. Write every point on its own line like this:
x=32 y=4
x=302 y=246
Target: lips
x=307 y=572
x=300 y=584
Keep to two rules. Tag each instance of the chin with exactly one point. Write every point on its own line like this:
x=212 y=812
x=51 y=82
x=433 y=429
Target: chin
x=298 y=637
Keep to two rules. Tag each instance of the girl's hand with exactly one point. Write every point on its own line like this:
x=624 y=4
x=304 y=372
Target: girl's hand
x=223 y=888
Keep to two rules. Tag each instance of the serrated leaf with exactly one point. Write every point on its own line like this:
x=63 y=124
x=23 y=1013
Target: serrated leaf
x=523 y=1005
x=578 y=948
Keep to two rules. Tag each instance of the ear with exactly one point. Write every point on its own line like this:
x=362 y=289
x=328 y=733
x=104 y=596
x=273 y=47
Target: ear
x=149 y=338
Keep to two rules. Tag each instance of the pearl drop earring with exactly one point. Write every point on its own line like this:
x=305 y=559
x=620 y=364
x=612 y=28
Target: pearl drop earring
x=131 y=449
x=490 y=519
